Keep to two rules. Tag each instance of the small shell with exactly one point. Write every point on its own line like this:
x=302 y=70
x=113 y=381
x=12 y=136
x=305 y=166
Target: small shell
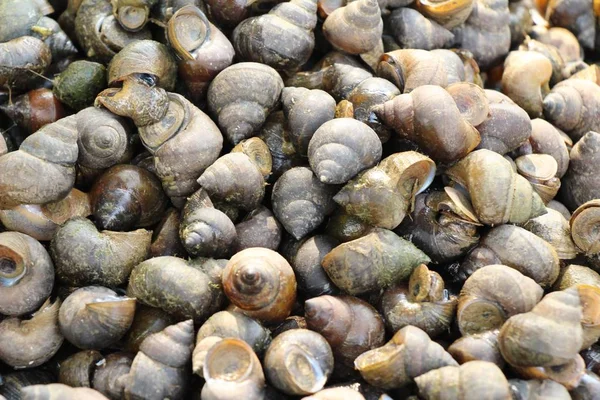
x=355 y=28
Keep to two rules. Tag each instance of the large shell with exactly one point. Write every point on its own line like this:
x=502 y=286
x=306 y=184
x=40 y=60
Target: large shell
x=493 y=294
x=508 y=245
x=375 y=261
x=341 y=148
x=498 y=194
x=20 y=56
x=350 y=325
x=242 y=96
x=301 y=202
x=355 y=28
x=299 y=362
x=282 y=39
x=410 y=353
x=188 y=289
x=261 y=283
x=581 y=183
x=549 y=335
x=26 y=274
x=411 y=68
x=203 y=49
x=159 y=369
x=383 y=195
x=87 y=256
x=95 y=317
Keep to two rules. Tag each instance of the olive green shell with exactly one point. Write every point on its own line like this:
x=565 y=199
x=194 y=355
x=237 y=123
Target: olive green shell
x=78 y=85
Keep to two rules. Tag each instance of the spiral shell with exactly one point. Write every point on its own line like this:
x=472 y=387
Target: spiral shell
x=470 y=381
x=34 y=109
x=20 y=56
x=306 y=110
x=580 y=183
x=203 y=49
x=132 y=14
x=261 y=283
x=350 y=325
x=377 y=260
x=27 y=343
x=412 y=30
x=493 y=294
x=282 y=39
x=51 y=152
x=449 y=14
x=95 y=317
x=26 y=274
x=299 y=362
x=232 y=371
x=410 y=353
x=478 y=346
x=410 y=68
x=299 y=189
x=194 y=286
x=306 y=262
x=87 y=256
x=159 y=369
x=355 y=28
x=259 y=228
x=584 y=225
x=554 y=229
x=572 y=106
x=242 y=96
x=548 y=335
x=341 y=148
x=383 y=195
x=494 y=188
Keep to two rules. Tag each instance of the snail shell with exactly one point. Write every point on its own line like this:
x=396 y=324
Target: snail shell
x=383 y=195
x=438 y=226
x=27 y=343
x=554 y=228
x=299 y=362
x=311 y=277
x=95 y=317
x=261 y=283
x=242 y=96
x=26 y=274
x=486 y=33
x=411 y=68
x=546 y=139
x=299 y=189
x=236 y=179
x=99 y=33
x=547 y=389
x=409 y=115
x=188 y=289
x=350 y=325
x=259 y=228
x=410 y=353
x=569 y=374
x=422 y=303
x=506 y=126
x=282 y=39
x=469 y=381
x=577 y=16
x=508 y=244
x=345 y=227
x=341 y=148
x=228 y=324
x=132 y=14
x=204 y=51
x=165 y=237
x=494 y=186
x=232 y=371
x=77 y=370
x=574 y=274
x=159 y=370
x=580 y=183
x=147 y=320
x=127 y=197
x=375 y=261
x=412 y=30
x=51 y=152
x=479 y=346
x=15 y=381
x=277 y=136
x=355 y=28
x=20 y=56
x=493 y=294
x=525 y=78
x=34 y=109
x=572 y=106
x=87 y=256
x=108 y=376
x=584 y=223
x=449 y=14
x=548 y=335
x=204 y=230
x=306 y=110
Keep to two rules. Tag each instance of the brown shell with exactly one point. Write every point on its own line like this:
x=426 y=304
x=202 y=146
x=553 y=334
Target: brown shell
x=479 y=346
x=261 y=283
x=34 y=109
x=580 y=183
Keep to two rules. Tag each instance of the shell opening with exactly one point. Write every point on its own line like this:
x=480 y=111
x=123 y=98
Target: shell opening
x=305 y=370
x=12 y=267
x=229 y=361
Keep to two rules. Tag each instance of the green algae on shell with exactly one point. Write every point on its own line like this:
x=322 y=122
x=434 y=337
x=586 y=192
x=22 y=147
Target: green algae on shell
x=78 y=85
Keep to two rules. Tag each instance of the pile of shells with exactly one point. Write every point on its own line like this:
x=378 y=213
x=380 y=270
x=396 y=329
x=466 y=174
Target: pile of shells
x=303 y=199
